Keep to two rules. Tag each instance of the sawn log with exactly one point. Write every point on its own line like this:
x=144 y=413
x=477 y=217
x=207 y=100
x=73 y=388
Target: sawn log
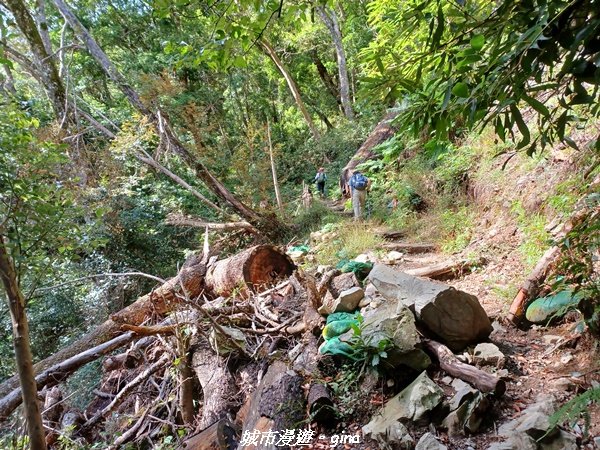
x=484 y=381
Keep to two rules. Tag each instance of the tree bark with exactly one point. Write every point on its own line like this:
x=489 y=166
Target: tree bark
x=24 y=360
x=271 y=53
x=409 y=248
x=329 y=18
x=484 y=381
x=382 y=132
x=177 y=219
x=221 y=435
x=218 y=386
x=445 y=269
x=277 y=403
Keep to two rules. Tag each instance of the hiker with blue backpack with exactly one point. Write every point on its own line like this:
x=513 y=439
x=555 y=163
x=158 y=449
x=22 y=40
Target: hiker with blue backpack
x=320 y=179
x=359 y=184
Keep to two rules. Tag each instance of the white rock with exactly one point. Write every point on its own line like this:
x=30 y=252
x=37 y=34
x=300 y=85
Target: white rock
x=488 y=354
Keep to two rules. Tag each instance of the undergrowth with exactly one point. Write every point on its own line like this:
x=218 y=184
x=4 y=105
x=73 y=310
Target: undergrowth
x=351 y=240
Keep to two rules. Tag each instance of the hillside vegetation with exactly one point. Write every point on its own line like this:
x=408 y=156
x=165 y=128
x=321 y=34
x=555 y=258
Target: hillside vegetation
x=160 y=228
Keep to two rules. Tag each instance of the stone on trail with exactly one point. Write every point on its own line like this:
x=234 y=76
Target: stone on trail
x=488 y=354
x=530 y=430
x=429 y=442
x=468 y=416
x=413 y=403
x=456 y=317
x=389 y=435
x=394 y=323
x=347 y=301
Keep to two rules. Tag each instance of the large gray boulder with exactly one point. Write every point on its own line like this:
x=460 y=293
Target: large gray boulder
x=394 y=323
x=455 y=317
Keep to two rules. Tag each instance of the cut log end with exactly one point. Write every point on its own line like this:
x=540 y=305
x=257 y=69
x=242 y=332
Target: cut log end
x=266 y=267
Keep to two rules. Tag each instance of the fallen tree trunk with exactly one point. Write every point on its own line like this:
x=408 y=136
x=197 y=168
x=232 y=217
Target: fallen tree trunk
x=382 y=132
x=409 y=248
x=220 y=435
x=531 y=286
x=445 y=269
x=218 y=386
x=484 y=381
x=277 y=404
x=61 y=371
x=256 y=268
x=252 y=270
x=180 y=220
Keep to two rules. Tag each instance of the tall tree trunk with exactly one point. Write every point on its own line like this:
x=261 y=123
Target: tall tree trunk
x=329 y=18
x=42 y=23
x=24 y=360
x=49 y=74
x=325 y=76
x=274 y=170
x=270 y=52
x=271 y=226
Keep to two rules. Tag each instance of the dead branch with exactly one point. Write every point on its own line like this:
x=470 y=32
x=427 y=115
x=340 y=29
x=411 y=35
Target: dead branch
x=121 y=396
x=184 y=221
x=446 y=269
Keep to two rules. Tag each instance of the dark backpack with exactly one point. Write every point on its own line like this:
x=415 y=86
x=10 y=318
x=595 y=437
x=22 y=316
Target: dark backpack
x=359 y=181
x=320 y=177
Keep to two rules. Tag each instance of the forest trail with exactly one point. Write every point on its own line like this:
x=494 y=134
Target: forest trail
x=545 y=361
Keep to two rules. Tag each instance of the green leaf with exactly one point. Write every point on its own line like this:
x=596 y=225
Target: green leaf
x=518 y=118
x=477 y=42
x=439 y=31
x=537 y=105
x=461 y=89
x=571 y=143
x=6 y=62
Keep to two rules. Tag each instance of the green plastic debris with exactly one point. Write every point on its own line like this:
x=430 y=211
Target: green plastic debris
x=345 y=316
x=543 y=309
x=337 y=328
x=338 y=324
x=360 y=269
x=300 y=248
x=334 y=346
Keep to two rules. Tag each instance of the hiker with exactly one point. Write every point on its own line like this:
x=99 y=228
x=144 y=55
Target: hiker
x=320 y=179
x=358 y=184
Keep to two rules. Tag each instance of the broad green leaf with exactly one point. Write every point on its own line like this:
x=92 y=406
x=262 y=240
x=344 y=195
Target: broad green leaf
x=461 y=89
x=478 y=41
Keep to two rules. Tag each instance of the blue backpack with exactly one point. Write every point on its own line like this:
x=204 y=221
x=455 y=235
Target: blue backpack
x=359 y=181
